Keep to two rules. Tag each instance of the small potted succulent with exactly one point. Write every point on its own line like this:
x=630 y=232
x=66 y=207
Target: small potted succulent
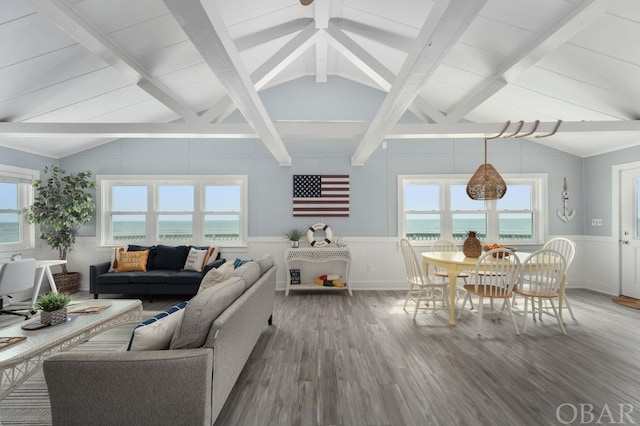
x=53 y=307
x=294 y=236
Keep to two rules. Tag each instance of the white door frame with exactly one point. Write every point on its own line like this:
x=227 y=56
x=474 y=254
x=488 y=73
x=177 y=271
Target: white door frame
x=615 y=217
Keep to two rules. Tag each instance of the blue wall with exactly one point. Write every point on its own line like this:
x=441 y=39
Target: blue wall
x=373 y=186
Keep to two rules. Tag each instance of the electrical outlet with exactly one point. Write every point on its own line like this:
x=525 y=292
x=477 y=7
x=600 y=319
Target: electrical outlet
x=596 y=222
x=370 y=267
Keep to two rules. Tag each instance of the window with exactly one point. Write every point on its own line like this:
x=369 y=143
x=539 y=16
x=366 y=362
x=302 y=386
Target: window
x=433 y=207
x=169 y=210
x=16 y=193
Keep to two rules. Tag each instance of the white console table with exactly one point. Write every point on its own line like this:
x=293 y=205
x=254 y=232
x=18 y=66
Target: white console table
x=318 y=261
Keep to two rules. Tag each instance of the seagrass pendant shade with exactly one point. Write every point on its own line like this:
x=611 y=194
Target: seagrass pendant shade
x=486 y=183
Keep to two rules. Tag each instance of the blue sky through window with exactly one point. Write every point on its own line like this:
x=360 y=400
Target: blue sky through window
x=176 y=198
x=426 y=197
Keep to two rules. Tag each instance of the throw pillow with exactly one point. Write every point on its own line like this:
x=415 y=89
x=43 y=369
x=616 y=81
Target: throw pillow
x=156 y=332
x=169 y=257
x=239 y=262
x=195 y=260
x=216 y=275
x=202 y=311
x=115 y=258
x=132 y=261
x=152 y=254
x=212 y=255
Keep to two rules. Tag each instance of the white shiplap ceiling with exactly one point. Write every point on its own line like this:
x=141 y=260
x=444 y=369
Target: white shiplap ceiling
x=76 y=74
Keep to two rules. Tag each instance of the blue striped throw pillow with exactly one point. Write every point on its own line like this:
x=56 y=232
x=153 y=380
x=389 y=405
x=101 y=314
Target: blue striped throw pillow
x=156 y=332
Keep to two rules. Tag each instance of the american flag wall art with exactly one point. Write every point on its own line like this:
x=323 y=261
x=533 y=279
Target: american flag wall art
x=321 y=195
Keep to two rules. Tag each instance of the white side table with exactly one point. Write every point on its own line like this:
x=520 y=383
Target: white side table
x=316 y=261
x=45 y=269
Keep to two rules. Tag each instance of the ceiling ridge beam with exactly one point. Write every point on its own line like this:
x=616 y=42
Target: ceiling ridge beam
x=578 y=17
x=267 y=71
x=443 y=27
x=302 y=129
x=206 y=30
x=78 y=28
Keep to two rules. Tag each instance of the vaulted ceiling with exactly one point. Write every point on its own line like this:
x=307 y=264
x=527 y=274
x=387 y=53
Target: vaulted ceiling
x=75 y=74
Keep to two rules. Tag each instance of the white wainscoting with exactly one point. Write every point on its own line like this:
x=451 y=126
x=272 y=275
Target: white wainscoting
x=377 y=262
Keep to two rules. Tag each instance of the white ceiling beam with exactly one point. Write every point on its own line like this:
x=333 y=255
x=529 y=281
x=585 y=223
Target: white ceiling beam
x=375 y=70
x=358 y=56
x=445 y=24
x=267 y=71
x=321 y=17
x=575 y=20
x=321 y=51
x=301 y=129
x=425 y=111
x=272 y=33
x=386 y=38
x=206 y=30
x=68 y=20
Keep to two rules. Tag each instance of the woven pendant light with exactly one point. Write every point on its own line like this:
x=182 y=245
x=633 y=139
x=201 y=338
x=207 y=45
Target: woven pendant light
x=486 y=183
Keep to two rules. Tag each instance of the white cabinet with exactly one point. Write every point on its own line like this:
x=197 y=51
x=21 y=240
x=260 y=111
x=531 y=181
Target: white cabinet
x=315 y=261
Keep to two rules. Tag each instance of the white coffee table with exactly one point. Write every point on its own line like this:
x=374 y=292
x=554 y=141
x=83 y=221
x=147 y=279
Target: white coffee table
x=21 y=360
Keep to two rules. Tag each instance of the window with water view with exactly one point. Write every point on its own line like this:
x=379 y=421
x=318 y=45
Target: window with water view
x=16 y=191
x=182 y=210
x=438 y=207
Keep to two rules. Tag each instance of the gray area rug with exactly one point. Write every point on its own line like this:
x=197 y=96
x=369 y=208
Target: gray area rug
x=29 y=403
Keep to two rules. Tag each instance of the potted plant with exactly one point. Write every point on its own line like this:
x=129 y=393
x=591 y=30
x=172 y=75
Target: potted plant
x=294 y=236
x=62 y=203
x=53 y=307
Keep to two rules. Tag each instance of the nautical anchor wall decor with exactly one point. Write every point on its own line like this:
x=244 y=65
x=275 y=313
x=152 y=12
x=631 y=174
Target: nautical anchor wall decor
x=565 y=215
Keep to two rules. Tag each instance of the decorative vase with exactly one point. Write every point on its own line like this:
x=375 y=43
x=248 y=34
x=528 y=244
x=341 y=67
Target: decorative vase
x=54 y=317
x=295 y=244
x=472 y=247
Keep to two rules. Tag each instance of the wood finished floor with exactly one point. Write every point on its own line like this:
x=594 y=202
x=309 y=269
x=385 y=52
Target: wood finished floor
x=331 y=359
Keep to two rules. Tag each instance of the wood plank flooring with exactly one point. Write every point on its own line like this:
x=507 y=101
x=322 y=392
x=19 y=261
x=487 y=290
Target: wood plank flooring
x=331 y=359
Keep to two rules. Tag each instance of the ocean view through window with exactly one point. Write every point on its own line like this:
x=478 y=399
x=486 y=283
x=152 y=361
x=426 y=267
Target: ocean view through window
x=433 y=207
x=181 y=209
x=16 y=193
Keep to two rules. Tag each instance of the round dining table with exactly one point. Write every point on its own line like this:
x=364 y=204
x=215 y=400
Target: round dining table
x=455 y=262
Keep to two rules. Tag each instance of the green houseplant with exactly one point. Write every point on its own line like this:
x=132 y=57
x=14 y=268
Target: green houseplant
x=61 y=204
x=294 y=236
x=53 y=307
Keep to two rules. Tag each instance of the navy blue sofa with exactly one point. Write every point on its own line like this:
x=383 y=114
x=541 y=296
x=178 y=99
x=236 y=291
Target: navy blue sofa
x=164 y=274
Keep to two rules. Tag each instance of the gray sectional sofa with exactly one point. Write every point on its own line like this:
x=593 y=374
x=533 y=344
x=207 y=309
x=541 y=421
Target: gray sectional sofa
x=164 y=274
x=187 y=384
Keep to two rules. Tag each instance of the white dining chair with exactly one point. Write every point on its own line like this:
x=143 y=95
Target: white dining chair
x=542 y=273
x=567 y=249
x=421 y=290
x=440 y=274
x=496 y=274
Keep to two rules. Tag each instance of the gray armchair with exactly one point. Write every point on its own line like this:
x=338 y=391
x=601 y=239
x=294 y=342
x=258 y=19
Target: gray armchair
x=171 y=387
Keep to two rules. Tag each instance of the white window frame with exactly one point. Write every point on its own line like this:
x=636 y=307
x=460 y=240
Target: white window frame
x=539 y=197
x=105 y=184
x=24 y=178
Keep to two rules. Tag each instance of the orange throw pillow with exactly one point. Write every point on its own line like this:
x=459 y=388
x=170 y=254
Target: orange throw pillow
x=133 y=261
